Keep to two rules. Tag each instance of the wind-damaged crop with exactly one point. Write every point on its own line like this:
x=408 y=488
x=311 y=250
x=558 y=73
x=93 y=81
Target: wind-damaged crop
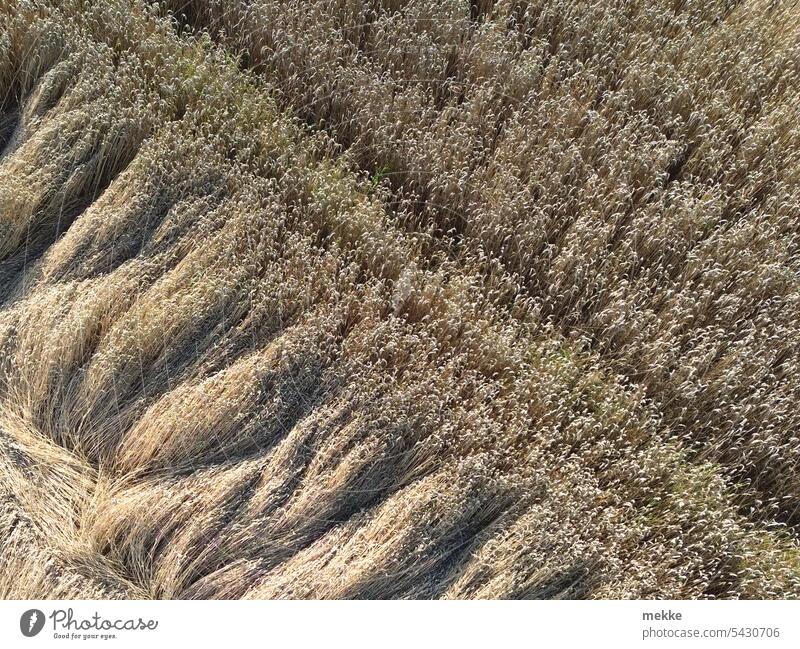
x=399 y=299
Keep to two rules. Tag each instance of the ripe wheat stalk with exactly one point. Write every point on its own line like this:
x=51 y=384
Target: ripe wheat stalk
x=408 y=299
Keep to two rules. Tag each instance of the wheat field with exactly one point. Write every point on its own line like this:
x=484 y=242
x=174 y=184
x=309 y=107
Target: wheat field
x=400 y=299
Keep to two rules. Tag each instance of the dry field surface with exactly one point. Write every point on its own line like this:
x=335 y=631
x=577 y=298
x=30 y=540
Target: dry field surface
x=399 y=299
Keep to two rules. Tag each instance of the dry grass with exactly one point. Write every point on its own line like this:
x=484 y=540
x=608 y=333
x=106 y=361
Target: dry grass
x=410 y=299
